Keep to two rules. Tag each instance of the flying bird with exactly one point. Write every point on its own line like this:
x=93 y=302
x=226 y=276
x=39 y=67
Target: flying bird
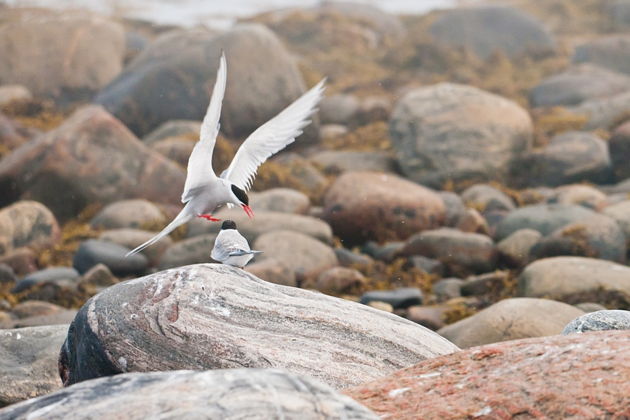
x=204 y=192
x=231 y=247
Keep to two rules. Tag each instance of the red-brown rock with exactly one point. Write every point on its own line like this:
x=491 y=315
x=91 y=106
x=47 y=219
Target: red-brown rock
x=364 y=206
x=581 y=376
x=91 y=158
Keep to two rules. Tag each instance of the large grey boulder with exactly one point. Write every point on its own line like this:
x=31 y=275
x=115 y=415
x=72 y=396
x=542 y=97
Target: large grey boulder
x=185 y=394
x=457 y=132
x=182 y=65
x=487 y=29
x=212 y=316
x=53 y=53
x=511 y=319
x=577 y=279
x=28 y=362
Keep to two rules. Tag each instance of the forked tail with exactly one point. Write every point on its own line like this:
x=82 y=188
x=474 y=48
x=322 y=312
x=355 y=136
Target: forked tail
x=183 y=217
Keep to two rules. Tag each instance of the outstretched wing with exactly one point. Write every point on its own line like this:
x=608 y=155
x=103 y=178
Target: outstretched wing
x=200 y=160
x=272 y=137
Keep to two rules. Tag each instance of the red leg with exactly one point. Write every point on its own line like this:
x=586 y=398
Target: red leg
x=209 y=217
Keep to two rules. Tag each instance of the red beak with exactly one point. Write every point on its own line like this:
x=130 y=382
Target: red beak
x=248 y=210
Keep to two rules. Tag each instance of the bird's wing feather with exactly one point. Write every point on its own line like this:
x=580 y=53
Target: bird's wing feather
x=227 y=242
x=272 y=137
x=200 y=160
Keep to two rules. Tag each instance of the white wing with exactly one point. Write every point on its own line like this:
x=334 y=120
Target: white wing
x=200 y=160
x=272 y=137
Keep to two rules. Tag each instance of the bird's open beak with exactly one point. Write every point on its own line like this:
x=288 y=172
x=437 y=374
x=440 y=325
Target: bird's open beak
x=248 y=210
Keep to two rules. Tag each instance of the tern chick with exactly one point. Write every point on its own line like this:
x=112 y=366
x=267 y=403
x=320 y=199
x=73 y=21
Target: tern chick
x=231 y=247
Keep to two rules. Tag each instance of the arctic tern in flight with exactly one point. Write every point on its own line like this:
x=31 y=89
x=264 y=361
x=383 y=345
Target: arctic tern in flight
x=231 y=247
x=204 y=192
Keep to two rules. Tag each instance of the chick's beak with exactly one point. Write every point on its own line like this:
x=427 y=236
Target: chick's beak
x=248 y=210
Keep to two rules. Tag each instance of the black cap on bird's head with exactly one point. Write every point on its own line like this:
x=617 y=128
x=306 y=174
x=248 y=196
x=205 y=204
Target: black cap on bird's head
x=244 y=200
x=228 y=224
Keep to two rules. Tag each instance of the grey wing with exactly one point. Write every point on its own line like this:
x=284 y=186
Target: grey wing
x=227 y=243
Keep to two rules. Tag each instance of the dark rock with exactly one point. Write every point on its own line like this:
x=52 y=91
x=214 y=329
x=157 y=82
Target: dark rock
x=273 y=271
x=511 y=319
x=578 y=84
x=339 y=280
x=7 y=278
x=438 y=136
x=181 y=65
x=571 y=157
x=581 y=375
x=229 y=393
x=128 y=214
x=282 y=200
x=264 y=222
x=339 y=161
x=544 y=218
x=597 y=237
x=102 y=162
x=448 y=288
x=486 y=283
x=215 y=317
x=22 y=260
x=52 y=52
x=386 y=252
x=49 y=275
x=351 y=259
x=599 y=321
x=362 y=206
x=619 y=145
x=131 y=238
x=611 y=52
x=189 y=251
x=515 y=249
x=28 y=365
x=398 y=298
x=427 y=265
x=98 y=276
x=305 y=256
x=27 y=224
x=338 y=109
x=460 y=252
x=93 y=252
x=577 y=279
x=487 y=29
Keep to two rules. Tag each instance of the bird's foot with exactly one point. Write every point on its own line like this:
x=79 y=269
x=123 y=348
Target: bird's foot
x=209 y=217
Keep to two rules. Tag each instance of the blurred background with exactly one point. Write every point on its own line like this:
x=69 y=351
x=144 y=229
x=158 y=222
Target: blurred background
x=460 y=146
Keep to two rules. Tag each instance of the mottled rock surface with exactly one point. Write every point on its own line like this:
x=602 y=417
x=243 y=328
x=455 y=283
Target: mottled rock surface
x=28 y=362
x=172 y=319
x=184 y=394
x=599 y=321
x=577 y=376
x=27 y=224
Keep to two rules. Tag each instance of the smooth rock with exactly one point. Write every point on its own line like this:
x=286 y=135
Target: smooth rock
x=340 y=161
x=176 y=149
x=604 y=113
x=386 y=252
x=28 y=362
x=458 y=251
x=590 y=307
x=489 y=283
x=22 y=260
x=578 y=84
x=484 y=197
x=98 y=276
x=580 y=376
x=264 y=222
x=611 y=52
x=339 y=280
x=297 y=172
x=455 y=208
x=338 y=109
x=7 y=278
x=398 y=298
x=516 y=248
x=128 y=214
x=621 y=214
x=362 y=206
x=577 y=279
x=180 y=65
x=347 y=258
x=619 y=145
x=305 y=256
x=599 y=321
x=172 y=319
x=189 y=251
x=11 y=93
x=48 y=275
x=473 y=222
x=571 y=157
x=173 y=128
x=427 y=265
x=583 y=195
x=131 y=238
x=52 y=52
x=30 y=308
x=63 y=317
x=431 y=317
x=487 y=29
x=448 y=288
x=27 y=224
x=544 y=218
x=511 y=319
x=185 y=394
x=93 y=252
x=282 y=200
x=438 y=135
x=91 y=157
x=596 y=237
x=273 y=271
